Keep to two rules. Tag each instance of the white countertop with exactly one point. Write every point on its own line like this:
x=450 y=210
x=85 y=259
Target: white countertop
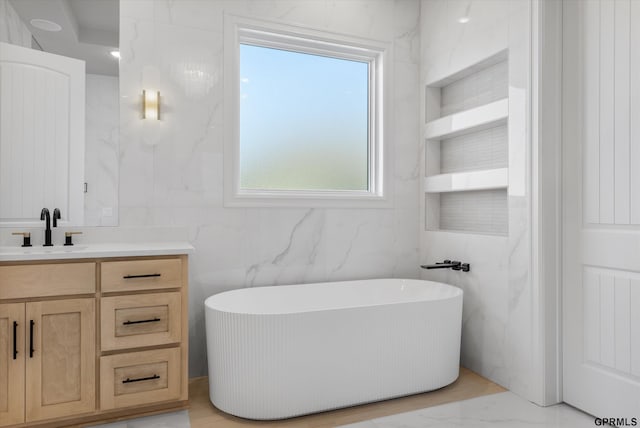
x=92 y=251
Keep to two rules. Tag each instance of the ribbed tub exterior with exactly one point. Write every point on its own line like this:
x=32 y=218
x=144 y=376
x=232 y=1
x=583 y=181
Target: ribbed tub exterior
x=281 y=362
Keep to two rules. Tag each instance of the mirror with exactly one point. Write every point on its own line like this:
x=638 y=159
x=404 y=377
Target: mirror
x=86 y=30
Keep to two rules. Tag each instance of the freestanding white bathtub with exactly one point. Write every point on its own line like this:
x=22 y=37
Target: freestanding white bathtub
x=279 y=352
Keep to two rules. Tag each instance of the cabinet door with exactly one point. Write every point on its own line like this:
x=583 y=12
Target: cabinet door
x=12 y=329
x=60 y=368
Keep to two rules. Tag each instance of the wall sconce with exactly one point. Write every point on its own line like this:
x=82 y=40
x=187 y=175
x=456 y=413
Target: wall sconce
x=151 y=105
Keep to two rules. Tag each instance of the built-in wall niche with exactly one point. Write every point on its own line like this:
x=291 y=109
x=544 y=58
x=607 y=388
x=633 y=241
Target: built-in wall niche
x=466 y=156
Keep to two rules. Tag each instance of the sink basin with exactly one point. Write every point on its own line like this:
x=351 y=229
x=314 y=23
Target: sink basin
x=42 y=250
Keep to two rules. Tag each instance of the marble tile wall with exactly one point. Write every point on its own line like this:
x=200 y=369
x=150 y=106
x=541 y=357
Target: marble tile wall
x=171 y=171
x=102 y=235
x=101 y=150
x=12 y=29
x=499 y=304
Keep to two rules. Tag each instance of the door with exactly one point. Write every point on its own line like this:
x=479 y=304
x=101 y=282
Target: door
x=42 y=137
x=601 y=204
x=12 y=359
x=60 y=371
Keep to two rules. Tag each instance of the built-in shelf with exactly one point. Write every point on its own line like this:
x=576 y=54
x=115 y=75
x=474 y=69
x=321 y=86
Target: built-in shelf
x=465 y=132
x=475 y=119
x=464 y=181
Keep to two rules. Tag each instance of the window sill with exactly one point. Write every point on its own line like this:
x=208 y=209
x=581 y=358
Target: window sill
x=292 y=199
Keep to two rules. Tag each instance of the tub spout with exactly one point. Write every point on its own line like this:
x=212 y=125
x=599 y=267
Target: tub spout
x=448 y=264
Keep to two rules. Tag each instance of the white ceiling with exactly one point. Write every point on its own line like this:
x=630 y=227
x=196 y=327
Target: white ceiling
x=90 y=30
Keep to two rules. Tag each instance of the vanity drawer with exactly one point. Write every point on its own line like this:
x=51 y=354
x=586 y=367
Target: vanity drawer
x=140 y=320
x=139 y=378
x=132 y=275
x=42 y=280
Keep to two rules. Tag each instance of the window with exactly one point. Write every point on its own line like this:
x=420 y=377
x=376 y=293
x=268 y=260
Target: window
x=304 y=121
x=304 y=115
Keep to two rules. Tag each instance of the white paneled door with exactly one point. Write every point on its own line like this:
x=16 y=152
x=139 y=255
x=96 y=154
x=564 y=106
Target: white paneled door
x=601 y=193
x=42 y=99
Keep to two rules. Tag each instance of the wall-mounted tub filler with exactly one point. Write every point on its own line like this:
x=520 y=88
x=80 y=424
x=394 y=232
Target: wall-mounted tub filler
x=448 y=264
x=279 y=352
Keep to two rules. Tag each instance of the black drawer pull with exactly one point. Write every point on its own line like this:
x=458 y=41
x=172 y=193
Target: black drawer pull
x=140 y=322
x=154 y=377
x=31 y=324
x=148 y=275
x=15 y=340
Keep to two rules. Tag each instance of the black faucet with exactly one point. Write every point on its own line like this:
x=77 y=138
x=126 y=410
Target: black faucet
x=448 y=264
x=44 y=215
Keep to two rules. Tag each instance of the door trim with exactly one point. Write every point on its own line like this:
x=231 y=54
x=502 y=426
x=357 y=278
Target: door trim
x=546 y=182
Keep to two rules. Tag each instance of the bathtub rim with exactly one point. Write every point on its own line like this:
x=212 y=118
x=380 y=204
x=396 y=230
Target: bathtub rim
x=458 y=293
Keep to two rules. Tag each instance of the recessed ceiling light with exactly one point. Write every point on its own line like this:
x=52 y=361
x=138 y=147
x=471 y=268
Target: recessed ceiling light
x=45 y=25
x=115 y=54
x=463 y=19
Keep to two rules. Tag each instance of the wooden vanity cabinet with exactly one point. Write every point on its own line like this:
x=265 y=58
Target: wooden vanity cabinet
x=112 y=344
x=12 y=375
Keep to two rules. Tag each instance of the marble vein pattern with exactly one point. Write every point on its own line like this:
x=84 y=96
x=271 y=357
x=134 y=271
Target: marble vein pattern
x=498 y=410
x=171 y=171
x=446 y=47
x=524 y=357
x=500 y=297
x=101 y=150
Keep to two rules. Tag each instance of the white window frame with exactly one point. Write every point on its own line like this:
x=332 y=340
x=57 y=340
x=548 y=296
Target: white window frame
x=241 y=30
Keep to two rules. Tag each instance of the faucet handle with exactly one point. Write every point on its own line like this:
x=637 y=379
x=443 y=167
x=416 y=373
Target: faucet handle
x=26 y=238
x=56 y=216
x=456 y=264
x=68 y=236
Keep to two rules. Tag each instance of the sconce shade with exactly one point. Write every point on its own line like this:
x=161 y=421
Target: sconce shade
x=151 y=105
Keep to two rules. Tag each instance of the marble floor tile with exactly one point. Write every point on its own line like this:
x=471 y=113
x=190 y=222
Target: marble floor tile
x=498 y=410
x=165 y=420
